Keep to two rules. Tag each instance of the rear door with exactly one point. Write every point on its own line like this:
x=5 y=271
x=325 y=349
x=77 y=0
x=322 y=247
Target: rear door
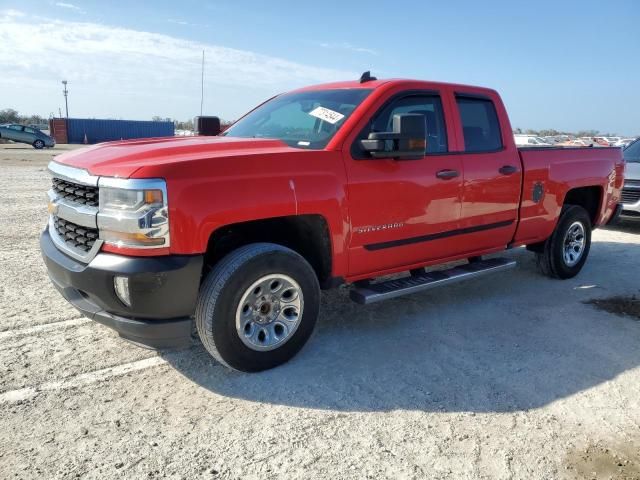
x=30 y=134
x=492 y=172
x=399 y=209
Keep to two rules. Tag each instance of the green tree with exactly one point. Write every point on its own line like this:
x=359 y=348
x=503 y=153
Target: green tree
x=9 y=115
x=587 y=133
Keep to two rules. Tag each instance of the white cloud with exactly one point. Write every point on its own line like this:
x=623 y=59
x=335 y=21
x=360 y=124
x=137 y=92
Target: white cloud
x=178 y=22
x=10 y=13
x=348 y=46
x=69 y=6
x=122 y=73
x=184 y=23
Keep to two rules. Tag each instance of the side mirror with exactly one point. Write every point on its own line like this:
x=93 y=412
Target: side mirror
x=209 y=126
x=407 y=141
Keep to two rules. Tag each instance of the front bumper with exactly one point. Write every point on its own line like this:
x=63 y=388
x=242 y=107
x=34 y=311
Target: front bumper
x=163 y=292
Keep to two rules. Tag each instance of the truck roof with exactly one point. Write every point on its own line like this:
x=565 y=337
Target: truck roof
x=374 y=84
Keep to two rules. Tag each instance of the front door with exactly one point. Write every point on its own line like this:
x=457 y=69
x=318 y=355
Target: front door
x=401 y=210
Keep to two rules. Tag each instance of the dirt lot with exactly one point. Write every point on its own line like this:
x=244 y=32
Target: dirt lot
x=510 y=377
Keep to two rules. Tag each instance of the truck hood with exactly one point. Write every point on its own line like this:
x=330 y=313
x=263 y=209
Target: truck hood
x=124 y=158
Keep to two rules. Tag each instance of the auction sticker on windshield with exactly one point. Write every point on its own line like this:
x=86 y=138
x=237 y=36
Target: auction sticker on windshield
x=327 y=115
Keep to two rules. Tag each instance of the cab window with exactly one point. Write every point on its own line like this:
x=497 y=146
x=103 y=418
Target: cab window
x=480 y=125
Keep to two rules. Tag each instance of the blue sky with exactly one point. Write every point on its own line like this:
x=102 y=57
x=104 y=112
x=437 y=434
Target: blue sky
x=566 y=64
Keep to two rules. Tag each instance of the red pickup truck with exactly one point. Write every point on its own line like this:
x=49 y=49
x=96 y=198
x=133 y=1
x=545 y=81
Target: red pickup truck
x=342 y=183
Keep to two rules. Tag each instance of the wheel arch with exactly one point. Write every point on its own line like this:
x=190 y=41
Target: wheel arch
x=308 y=235
x=588 y=197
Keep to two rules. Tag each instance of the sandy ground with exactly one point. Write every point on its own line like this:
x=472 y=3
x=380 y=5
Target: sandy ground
x=509 y=377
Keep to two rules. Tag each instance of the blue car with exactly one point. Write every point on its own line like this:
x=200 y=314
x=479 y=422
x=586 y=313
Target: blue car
x=29 y=135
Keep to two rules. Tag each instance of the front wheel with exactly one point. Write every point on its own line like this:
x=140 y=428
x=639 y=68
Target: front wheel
x=258 y=307
x=564 y=253
x=38 y=144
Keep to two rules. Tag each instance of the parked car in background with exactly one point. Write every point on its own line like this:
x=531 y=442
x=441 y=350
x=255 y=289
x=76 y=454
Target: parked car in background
x=623 y=142
x=606 y=141
x=25 y=134
x=631 y=188
x=530 y=141
x=578 y=142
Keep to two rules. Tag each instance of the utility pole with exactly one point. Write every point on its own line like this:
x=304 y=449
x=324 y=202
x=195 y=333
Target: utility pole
x=202 y=85
x=65 y=93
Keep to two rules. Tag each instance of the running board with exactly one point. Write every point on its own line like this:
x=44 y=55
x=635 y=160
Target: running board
x=376 y=292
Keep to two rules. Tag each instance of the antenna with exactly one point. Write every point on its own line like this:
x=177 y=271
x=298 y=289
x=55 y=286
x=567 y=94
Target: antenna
x=65 y=92
x=202 y=85
x=366 y=77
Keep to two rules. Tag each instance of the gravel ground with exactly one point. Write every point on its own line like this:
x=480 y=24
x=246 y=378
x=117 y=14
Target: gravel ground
x=510 y=377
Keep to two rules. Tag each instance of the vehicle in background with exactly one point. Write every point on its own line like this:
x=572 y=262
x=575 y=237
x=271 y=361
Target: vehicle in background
x=347 y=182
x=607 y=141
x=631 y=188
x=577 y=142
x=184 y=133
x=530 y=141
x=24 y=134
x=623 y=142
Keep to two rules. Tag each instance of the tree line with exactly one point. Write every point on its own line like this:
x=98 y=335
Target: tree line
x=9 y=115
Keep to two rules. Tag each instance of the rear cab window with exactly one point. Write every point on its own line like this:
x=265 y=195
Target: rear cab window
x=480 y=124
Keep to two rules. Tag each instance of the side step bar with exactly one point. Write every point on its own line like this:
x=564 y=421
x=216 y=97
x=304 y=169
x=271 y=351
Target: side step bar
x=377 y=292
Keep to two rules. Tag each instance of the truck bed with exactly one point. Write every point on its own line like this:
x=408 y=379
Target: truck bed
x=550 y=172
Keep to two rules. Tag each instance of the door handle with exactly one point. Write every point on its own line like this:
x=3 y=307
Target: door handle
x=507 y=170
x=447 y=174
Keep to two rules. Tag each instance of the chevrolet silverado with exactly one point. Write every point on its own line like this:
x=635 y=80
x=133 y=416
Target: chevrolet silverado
x=233 y=236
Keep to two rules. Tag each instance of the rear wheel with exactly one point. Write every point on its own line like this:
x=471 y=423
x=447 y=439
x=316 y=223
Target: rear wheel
x=39 y=144
x=564 y=253
x=258 y=307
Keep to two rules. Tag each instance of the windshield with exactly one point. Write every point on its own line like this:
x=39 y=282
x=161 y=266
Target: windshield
x=632 y=152
x=303 y=119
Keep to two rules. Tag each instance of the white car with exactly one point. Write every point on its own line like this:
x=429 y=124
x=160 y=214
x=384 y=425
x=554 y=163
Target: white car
x=631 y=188
x=530 y=141
x=623 y=142
x=608 y=140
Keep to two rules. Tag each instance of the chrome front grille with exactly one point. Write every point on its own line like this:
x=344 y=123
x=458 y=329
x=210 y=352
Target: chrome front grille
x=76 y=236
x=630 y=196
x=74 y=192
x=73 y=208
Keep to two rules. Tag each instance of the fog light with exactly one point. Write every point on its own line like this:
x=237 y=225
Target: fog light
x=121 y=286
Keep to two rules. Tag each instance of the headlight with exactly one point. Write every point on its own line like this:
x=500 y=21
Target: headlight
x=120 y=199
x=133 y=213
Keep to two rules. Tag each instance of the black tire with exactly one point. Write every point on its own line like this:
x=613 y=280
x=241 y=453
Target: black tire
x=38 y=144
x=222 y=291
x=551 y=257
